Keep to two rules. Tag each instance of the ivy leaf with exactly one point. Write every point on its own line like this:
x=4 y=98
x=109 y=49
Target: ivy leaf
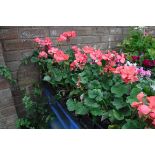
x=71 y=105
x=119 y=90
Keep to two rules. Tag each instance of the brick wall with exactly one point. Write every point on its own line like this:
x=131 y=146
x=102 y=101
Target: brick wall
x=8 y=114
x=17 y=43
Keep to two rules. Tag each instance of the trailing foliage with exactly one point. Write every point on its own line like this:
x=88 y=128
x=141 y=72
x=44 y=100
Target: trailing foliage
x=6 y=73
x=37 y=113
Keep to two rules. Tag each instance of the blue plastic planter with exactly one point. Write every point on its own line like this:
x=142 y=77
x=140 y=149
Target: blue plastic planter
x=63 y=120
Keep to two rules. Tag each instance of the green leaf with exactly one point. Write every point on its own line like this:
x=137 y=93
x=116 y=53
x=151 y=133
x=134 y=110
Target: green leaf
x=34 y=60
x=152 y=53
x=114 y=126
x=74 y=92
x=47 y=78
x=95 y=94
x=119 y=90
x=115 y=115
x=119 y=103
x=71 y=105
x=97 y=112
x=91 y=103
x=81 y=109
x=133 y=95
x=84 y=79
x=94 y=84
x=131 y=124
x=57 y=74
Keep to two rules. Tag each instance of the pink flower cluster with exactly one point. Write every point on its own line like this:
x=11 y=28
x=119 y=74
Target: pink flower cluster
x=57 y=54
x=81 y=56
x=128 y=73
x=112 y=58
x=145 y=107
x=95 y=55
x=42 y=54
x=143 y=72
x=66 y=36
x=46 y=42
x=80 y=59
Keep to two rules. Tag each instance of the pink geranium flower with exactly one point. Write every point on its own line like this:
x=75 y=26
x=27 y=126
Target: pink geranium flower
x=151 y=100
x=88 y=49
x=147 y=111
x=97 y=56
x=144 y=109
x=43 y=54
x=66 y=36
x=37 y=40
x=80 y=60
x=152 y=115
x=61 y=38
x=52 y=50
x=46 y=42
x=135 y=105
x=121 y=58
x=128 y=73
x=153 y=122
x=60 y=56
x=75 y=48
x=140 y=96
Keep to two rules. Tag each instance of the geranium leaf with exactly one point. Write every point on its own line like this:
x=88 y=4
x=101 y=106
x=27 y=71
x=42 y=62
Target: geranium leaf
x=71 y=105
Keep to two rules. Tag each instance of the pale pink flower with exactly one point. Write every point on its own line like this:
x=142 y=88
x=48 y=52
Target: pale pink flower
x=144 y=109
x=43 y=54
